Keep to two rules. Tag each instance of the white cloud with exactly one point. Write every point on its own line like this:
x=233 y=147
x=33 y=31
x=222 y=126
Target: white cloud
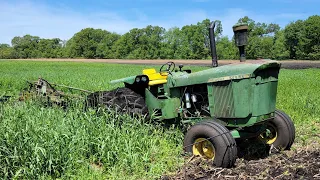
x=18 y=19
x=25 y=17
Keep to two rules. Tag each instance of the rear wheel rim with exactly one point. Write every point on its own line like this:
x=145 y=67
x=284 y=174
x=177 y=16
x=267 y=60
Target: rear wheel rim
x=203 y=147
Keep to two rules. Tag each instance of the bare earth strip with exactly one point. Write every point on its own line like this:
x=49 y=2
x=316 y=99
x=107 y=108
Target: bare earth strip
x=297 y=164
x=288 y=64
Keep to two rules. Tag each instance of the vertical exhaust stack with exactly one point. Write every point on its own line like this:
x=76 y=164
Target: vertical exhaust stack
x=241 y=39
x=213 y=44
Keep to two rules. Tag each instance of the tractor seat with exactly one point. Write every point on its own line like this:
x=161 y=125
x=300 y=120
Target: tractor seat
x=154 y=77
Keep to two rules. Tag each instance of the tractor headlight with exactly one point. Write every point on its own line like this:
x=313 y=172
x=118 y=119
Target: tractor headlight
x=138 y=79
x=144 y=78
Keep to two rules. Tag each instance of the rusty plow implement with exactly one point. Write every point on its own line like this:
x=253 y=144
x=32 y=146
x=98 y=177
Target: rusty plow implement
x=49 y=94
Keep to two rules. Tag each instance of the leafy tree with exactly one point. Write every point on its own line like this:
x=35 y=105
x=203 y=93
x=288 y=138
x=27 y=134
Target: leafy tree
x=302 y=38
x=150 y=42
x=105 y=47
x=293 y=34
x=128 y=43
x=226 y=49
x=123 y=46
x=280 y=50
x=195 y=40
x=6 y=52
x=310 y=39
x=298 y=40
x=204 y=26
x=145 y=43
x=184 y=50
x=85 y=43
x=261 y=38
x=172 y=41
x=50 y=48
x=259 y=29
x=26 y=46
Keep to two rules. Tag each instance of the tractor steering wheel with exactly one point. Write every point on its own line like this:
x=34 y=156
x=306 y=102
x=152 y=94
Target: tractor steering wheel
x=168 y=69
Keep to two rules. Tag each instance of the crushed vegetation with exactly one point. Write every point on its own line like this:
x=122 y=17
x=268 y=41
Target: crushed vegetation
x=295 y=164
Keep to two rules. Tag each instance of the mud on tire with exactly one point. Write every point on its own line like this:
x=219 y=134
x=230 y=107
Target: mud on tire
x=122 y=100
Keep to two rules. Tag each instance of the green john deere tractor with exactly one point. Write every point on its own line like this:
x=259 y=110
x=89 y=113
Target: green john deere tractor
x=236 y=101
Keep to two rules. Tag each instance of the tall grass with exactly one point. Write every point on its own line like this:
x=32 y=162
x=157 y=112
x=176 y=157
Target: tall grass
x=41 y=143
x=299 y=96
x=91 y=76
x=51 y=142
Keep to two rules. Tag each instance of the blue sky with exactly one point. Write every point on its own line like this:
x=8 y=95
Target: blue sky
x=54 y=18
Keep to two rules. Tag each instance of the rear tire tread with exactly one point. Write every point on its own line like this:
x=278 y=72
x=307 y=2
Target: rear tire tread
x=290 y=127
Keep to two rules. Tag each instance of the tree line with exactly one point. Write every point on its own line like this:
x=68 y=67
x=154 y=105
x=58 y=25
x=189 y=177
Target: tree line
x=298 y=40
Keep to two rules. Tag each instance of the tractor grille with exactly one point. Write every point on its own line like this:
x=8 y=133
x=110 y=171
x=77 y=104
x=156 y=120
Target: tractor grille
x=223 y=99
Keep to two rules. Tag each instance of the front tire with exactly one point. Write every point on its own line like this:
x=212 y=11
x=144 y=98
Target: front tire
x=213 y=141
x=280 y=131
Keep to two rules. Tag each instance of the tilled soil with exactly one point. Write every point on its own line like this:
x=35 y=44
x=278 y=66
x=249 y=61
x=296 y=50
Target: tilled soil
x=294 y=164
x=287 y=64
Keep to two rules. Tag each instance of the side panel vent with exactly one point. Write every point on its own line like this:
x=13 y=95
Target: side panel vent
x=223 y=99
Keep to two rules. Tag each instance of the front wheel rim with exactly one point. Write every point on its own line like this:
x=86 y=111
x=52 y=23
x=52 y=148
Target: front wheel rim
x=203 y=147
x=270 y=135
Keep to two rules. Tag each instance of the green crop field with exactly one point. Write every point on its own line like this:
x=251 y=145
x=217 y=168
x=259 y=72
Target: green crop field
x=40 y=142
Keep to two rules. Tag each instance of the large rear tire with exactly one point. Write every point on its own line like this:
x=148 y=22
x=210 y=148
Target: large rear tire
x=213 y=141
x=122 y=100
x=280 y=131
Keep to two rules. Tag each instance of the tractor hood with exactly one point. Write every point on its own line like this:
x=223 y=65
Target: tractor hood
x=222 y=73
